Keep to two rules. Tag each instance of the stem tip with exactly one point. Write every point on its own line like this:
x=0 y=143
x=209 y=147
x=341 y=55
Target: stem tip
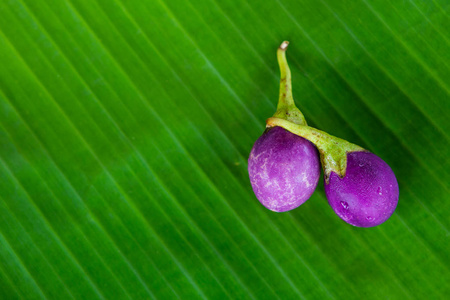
x=284 y=45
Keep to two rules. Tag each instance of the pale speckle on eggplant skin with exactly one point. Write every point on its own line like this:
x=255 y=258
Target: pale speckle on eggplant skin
x=284 y=169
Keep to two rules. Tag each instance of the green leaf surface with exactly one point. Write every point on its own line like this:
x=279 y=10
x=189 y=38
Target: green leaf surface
x=125 y=128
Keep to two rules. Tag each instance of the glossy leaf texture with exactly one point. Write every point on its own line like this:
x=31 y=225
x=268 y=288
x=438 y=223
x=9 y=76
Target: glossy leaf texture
x=125 y=128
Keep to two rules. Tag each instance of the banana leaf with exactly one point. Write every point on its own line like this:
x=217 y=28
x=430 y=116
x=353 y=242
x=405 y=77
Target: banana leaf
x=126 y=125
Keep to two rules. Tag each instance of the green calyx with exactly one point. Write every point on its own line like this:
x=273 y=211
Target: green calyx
x=333 y=151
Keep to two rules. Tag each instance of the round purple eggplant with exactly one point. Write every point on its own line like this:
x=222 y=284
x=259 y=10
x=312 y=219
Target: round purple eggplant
x=284 y=169
x=368 y=193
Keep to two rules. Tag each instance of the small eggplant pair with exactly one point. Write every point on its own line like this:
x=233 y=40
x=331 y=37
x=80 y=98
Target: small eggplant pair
x=284 y=166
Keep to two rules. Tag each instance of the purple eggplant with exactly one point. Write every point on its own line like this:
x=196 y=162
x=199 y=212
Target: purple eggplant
x=368 y=193
x=284 y=169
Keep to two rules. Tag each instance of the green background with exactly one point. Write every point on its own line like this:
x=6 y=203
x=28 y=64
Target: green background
x=125 y=127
